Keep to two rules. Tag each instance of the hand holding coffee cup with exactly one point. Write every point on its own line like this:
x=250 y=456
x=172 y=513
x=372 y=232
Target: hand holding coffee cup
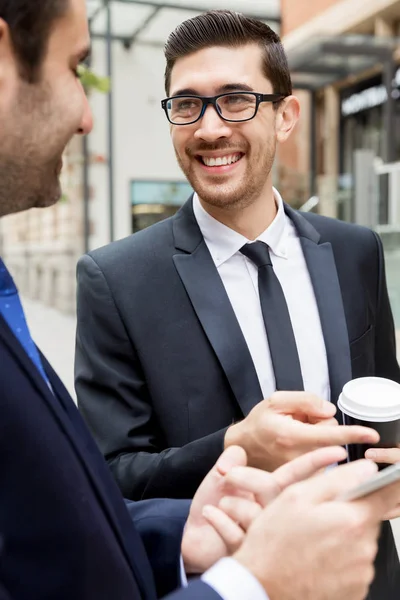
x=373 y=402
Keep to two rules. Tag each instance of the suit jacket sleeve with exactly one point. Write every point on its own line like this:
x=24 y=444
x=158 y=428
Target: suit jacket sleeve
x=196 y=590
x=385 y=339
x=160 y=524
x=114 y=400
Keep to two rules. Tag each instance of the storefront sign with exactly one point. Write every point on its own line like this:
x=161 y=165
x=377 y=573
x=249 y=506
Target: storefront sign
x=368 y=98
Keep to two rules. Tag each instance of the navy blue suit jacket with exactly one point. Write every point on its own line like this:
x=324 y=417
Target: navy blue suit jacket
x=66 y=532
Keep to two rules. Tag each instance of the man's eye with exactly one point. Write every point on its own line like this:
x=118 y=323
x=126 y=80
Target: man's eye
x=239 y=99
x=186 y=105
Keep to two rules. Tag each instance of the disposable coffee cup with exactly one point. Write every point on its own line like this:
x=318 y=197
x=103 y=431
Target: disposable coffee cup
x=372 y=402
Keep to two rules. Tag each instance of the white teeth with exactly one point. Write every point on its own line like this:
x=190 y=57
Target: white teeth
x=221 y=160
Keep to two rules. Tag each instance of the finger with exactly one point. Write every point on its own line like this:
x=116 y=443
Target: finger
x=308 y=465
x=266 y=486
x=230 y=532
x=240 y=510
x=247 y=480
x=327 y=422
x=392 y=514
x=300 y=402
x=234 y=456
x=382 y=502
x=309 y=436
x=384 y=455
x=333 y=483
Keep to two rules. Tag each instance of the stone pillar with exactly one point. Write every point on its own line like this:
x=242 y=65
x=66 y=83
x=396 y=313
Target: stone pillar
x=328 y=182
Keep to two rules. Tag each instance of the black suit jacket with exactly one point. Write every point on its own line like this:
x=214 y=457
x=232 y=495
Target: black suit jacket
x=162 y=367
x=65 y=531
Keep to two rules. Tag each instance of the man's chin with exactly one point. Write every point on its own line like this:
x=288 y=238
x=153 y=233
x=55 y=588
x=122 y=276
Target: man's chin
x=52 y=197
x=230 y=198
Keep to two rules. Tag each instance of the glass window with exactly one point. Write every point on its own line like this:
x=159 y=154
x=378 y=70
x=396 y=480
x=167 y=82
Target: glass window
x=153 y=201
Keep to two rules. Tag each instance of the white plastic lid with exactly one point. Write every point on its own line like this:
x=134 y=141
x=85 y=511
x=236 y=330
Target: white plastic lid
x=371 y=399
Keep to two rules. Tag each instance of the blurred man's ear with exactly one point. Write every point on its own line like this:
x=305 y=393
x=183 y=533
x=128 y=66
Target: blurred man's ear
x=287 y=116
x=7 y=56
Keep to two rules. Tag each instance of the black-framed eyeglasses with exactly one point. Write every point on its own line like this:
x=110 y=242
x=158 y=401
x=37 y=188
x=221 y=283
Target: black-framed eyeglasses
x=232 y=106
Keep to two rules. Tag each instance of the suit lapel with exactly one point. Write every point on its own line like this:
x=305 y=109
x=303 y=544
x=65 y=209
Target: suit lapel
x=322 y=268
x=106 y=488
x=213 y=309
x=66 y=414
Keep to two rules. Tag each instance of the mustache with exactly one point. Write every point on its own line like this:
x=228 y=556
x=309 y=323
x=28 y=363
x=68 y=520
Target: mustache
x=216 y=147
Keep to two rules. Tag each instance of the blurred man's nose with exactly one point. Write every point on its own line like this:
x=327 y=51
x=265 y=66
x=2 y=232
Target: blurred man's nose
x=86 y=124
x=212 y=127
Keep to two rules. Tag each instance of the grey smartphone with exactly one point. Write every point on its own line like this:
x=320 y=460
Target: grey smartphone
x=378 y=481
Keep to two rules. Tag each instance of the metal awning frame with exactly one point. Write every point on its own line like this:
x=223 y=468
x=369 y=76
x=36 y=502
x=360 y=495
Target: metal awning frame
x=157 y=6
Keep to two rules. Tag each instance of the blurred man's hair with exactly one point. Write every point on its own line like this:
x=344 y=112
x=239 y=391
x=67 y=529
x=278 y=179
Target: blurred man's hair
x=230 y=29
x=30 y=23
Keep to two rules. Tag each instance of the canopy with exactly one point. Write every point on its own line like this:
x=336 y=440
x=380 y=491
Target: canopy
x=151 y=21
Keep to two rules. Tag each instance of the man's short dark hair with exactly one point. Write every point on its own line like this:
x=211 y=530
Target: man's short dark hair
x=30 y=23
x=231 y=29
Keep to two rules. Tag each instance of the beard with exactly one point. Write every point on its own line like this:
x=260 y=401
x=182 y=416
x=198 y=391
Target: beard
x=29 y=163
x=25 y=185
x=223 y=192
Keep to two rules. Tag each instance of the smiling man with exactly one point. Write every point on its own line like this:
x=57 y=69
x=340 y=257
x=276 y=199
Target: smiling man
x=239 y=320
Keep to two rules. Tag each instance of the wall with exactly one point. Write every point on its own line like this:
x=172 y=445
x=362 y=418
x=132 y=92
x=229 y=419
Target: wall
x=142 y=146
x=297 y=12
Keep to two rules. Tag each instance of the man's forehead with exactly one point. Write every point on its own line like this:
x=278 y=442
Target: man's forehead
x=72 y=30
x=216 y=67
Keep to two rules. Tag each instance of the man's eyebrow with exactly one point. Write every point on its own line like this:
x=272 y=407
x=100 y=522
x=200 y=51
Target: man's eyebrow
x=228 y=87
x=235 y=87
x=186 y=92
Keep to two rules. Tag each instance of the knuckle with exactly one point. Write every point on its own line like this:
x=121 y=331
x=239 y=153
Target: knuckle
x=371 y=551
x=236 y=539
x=293 y=494
x=369 y=575
x=357 y=523
x=285 y=440
x=273 y=400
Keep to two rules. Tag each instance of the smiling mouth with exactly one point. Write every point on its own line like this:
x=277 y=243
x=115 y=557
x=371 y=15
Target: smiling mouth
x=220 y=161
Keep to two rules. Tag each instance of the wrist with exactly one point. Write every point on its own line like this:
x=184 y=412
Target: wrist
x=259 y=572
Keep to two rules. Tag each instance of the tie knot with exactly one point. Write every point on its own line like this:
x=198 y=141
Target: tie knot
x=258 y=253
x=7 y=285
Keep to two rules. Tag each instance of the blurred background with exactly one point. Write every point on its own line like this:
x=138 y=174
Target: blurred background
x=342 y=161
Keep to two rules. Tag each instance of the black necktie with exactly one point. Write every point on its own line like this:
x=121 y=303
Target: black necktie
x=282 y=344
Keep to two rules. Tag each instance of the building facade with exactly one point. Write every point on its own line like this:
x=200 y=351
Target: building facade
x=345 y=61
x=342 y=54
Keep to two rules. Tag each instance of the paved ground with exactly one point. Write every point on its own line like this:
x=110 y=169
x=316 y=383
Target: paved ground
x=55 y=335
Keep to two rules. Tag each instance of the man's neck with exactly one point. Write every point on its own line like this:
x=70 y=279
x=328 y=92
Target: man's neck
x=250 y=221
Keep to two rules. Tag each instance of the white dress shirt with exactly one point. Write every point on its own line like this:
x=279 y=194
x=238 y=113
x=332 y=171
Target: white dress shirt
x=240 y=278
x=232 y=581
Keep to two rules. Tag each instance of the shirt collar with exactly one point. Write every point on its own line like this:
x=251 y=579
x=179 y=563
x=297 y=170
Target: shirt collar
x=224 y=242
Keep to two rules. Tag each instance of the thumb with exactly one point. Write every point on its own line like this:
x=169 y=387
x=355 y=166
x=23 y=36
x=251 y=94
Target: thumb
x=234 y=456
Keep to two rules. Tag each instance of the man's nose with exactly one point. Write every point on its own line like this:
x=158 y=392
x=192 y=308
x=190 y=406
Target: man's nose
x=86 y=124
x=212 y=126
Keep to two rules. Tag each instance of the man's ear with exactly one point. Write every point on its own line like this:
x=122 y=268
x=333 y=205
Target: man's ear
x=7 y=54
x=287 y=116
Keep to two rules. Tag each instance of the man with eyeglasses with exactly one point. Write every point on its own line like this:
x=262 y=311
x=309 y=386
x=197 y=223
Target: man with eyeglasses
x=238 y=320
